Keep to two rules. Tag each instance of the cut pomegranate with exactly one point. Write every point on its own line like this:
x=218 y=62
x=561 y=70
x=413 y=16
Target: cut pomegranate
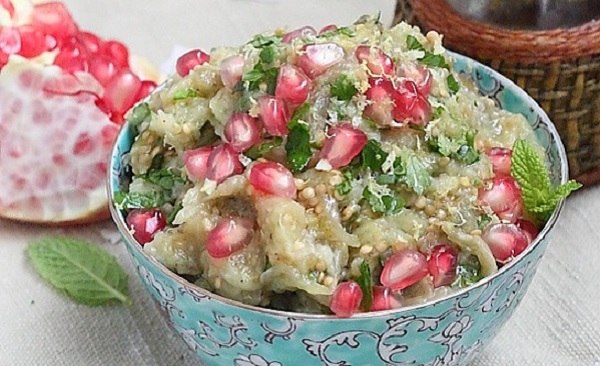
x=500 y=158
x=384 y=299
x=242 y=131
x=54 y=19
x=300 y=32
x=344 y=143
x=346 y=299
x=442 y=264
x=33 y=42
x=121 y=91
x=328 y=28
x=10 y=40
x=273 y=178
x=72 y=85
x=292 y=85
x=229 y=236
x=189 y=60
x=92 y=42
x=503 y=196
x=376 y=60
x=223 y=162
x=529 y=229
x=380 y=106
x=103 y=69
x=145 y=89
x=417 y=73
x=72 y=56
x=385 y=83
x=8 y=5
x=315 y=59
x=145 y=223
x=274 y=115
x=196 y=162
x=403 y=269
x=409 y=105
x=505 y=241
x=232 y=69
x=117 y=52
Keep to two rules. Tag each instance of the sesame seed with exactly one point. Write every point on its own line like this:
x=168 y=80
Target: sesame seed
x=366 y=249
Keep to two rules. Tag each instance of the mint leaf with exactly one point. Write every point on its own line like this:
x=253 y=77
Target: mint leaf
x=185 y=94
x=429 y=58
x=373 y=156
x=297 y=145
x=384 y=203
x=84 y=272
x=413 y=44
x=343 y=88
x=528 y=169
x=268 y=54
x=165 y=178
x=461 y=148
x=416 y=177
x=258 y=151
x=365 y=281
x=261 y=40
x=453 y=85
x=139 y=114
x=259 y=75
x=468 y=272
x=349 y=175
x=133 y=200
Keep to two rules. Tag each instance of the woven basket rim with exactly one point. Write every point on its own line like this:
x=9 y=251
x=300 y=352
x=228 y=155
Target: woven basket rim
x=483 y=40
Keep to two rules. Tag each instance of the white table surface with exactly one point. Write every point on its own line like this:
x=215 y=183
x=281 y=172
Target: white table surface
x=557 y=324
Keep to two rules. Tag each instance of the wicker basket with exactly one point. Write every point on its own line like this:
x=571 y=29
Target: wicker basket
x=559 y=68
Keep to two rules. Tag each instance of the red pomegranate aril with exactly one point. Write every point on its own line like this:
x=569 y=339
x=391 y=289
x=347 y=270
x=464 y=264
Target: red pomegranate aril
x=232 y=69
x=117 y=52
x=529 y=229
x=344 y=143
x=403 y=269
x=223 y=162
x=8 y=5
x=384 y=83
x=242 y=131
x=503 y=196
x=196 y=162
x=145 y=223
x=92 y=42
x=376 y=60
x=53 y=18
x=274 y=115
x=409 y=105
x=500 y=158
x=384 y=299
x=189 y=60
x=33 y=42
x=346 y=299
x=328 y=28
x=229 y=236
x=121 y=91
x=293 y=85
x=273 y=179
x=315 y=59
x=442 y=264
x=72 y=55
x=103 y=69
x=418 y=74
x=380 y=105
x=300 y=32
x=505 y=241
x=147 y=87
x=10 y=40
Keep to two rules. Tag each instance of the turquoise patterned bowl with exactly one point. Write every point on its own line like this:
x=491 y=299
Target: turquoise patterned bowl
x=450 y=331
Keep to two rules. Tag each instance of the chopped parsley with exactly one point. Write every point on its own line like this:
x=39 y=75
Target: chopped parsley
x=349 y=174
x=461 y=148
x=259 y=75
x=185 y=94
x=258 y=151
x=344 y=31
x=365 y=281
x=268 y=54
x=453 y=85
x=429 y=58
x=468 y=272
x=133 y=200
x=297 y=145
x=139 y=114
x=483 y=221
x=383 y=200
x=164 y=178
x=373 y=156
x=416 y=176
x=261 y=40
x=343 y=88
x=171 y=216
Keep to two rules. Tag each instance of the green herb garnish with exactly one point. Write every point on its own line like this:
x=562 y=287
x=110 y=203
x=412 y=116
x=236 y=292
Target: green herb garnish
x=365 y=281
x=453 y=85
x=297 y=145
x=468 y=272
x=139 y=114
x=461 y=148
x=261 y=40
x=261 y=150
x=385 y=203
x=259 y=75
x=185 y=94
x=82 y=271
x=133 y=200
x=373 y=156
x=171 y=216
x=416 y=175
x=539 y=197
x=429 y=58
x=483 y=221
x=268 y=54
x=349 y=174
x=343 y=88
x=344 y=31
x=165 y=178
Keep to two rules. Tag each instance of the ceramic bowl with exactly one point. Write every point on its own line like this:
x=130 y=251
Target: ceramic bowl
x=449 y=331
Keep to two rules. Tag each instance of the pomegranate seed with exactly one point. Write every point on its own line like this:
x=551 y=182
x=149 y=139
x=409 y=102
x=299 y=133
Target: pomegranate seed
x=442 y=265
x=385 y=83
x=404 y=268
x=10 y=40
x=103 y=69
x=92 y=42
x=500 y=158
x=196 y=162
x=292 y=85
x=384 y=299
x=145 y=223
x=273 y=178
x=503 y=196
x=418 y=74
x=409 y=105
x=346 y=299
x=72 y=56
x=274 y=115
x=223 y=162
x=300 y=32
x=33 y=42
x=121 y=91
x=117 y=52
x=189 y=60
x=505 y=241
x=147 y=87
x=229 y=236
x=328 y=28
x=8 y=5
x=376 y=60
x=344 y=143
x=54 y=19
x=232 y=69
x=315 y=59
x=3 y=59
x=380 y=105
x=529 y=229
x=242 y=131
